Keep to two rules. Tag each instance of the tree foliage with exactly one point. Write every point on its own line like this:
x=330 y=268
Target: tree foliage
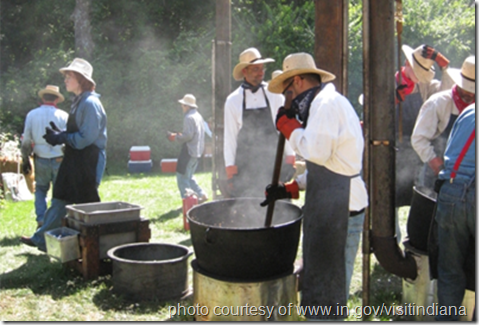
x=149 y=53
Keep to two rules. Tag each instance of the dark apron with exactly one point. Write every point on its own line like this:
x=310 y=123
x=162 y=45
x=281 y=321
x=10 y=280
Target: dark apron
x=76 y=179
x=439 y=144
x=183 y=159
x=408 y=162
x=256 y=151
x=325 y=230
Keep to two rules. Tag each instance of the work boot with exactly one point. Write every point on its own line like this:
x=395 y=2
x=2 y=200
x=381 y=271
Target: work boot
x=27 y=241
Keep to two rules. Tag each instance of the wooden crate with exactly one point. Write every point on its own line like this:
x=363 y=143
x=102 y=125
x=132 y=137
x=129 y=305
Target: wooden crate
x=91 y=265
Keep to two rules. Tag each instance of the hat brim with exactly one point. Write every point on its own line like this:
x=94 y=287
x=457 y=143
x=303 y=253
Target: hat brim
x=238 y=75
x=276 y=84
x=63 y=70
x=51 y=92
x=459 y=80
x=424 y=76
x=181 y=101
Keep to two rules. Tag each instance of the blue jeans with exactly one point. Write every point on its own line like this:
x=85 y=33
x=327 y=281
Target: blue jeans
x=187 y=180
x=456 y=219
x=355 y=229
x=46 y=171
x=53 y=219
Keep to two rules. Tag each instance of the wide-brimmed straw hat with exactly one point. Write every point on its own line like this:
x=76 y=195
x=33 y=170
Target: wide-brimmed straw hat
x=423 y=68
x=466 y=77
x=297 y=64
x=246 y=58
x=82 y=67
x=188 y=100
x=52 y=90
x=276 y=73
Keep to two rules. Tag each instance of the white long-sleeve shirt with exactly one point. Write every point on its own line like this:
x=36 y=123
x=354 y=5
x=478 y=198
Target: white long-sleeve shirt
x=432 y=120
x=333 y=138
x=233 y=118
x=35 y=123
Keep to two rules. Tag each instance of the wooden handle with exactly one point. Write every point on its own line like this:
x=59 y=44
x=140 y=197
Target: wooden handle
x=278 y=162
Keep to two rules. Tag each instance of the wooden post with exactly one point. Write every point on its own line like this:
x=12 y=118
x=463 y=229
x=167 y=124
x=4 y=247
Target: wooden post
x=221 y=85
x=331 y=40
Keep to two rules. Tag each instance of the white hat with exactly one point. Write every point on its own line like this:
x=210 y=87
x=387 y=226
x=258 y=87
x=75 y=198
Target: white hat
x=52 y=90
x=246 y=58
x=188 y=100
x=466 y=77
x=423 y=68
x=82 y=67
x=297 y=64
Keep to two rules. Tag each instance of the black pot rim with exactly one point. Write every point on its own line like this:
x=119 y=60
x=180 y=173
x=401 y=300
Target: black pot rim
x=273 y=226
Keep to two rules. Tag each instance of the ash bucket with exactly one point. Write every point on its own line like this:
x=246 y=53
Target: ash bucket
x=143 y=271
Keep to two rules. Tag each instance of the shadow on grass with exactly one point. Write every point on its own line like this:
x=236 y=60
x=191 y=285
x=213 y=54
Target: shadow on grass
x=108 y=301
x=43 y=277
x=172 y=214
x=186 y=242
x=10 y=241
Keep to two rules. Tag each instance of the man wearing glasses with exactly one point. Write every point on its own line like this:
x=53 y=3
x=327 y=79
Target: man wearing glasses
x=250 y=136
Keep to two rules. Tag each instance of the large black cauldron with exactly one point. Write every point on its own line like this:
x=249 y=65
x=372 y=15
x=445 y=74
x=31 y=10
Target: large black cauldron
x=230 y=240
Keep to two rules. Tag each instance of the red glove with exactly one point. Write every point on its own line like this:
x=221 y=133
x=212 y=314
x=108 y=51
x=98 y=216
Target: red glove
x=287 y=125
x=436 y=165
x=231 y=171
x=171 y=136
x=429 y=52
x=281 y=191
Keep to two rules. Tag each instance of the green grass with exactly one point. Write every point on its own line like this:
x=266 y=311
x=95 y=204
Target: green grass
x=36 y=287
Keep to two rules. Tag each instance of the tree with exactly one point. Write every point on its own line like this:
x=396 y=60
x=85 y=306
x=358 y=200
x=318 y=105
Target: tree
x=84 y=44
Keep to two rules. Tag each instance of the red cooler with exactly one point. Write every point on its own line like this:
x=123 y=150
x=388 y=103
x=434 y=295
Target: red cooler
x=138 y=153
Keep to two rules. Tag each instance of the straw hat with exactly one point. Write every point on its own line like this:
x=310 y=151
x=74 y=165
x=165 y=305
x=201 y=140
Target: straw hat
x=82 y=67
x=52 y=90
x=246 y=58
x=276 y=73
x=188 y=100
x=297 y=64
x=423 y=68
x=466 y=77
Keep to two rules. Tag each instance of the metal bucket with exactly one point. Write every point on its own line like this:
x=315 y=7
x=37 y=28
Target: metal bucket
x=144 y=271
x=273 y=299
x=420 y=217
x=230 y=240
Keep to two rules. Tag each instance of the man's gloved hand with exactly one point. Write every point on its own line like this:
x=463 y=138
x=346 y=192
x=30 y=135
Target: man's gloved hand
x=26 y=166
x=54 y=127
x=281 y=191
x=231 y=172
x=429 y=52
x=290 y=113
x=286 y=122
x=54 y=137
x=171 y=136
x=401 y=93
x=436 y=165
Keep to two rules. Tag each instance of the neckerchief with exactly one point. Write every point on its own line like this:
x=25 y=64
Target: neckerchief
x=50 y=104
x=75 y=102
x=247 y=85
x=405 y=81
x=460 y=104
x=302 y=102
